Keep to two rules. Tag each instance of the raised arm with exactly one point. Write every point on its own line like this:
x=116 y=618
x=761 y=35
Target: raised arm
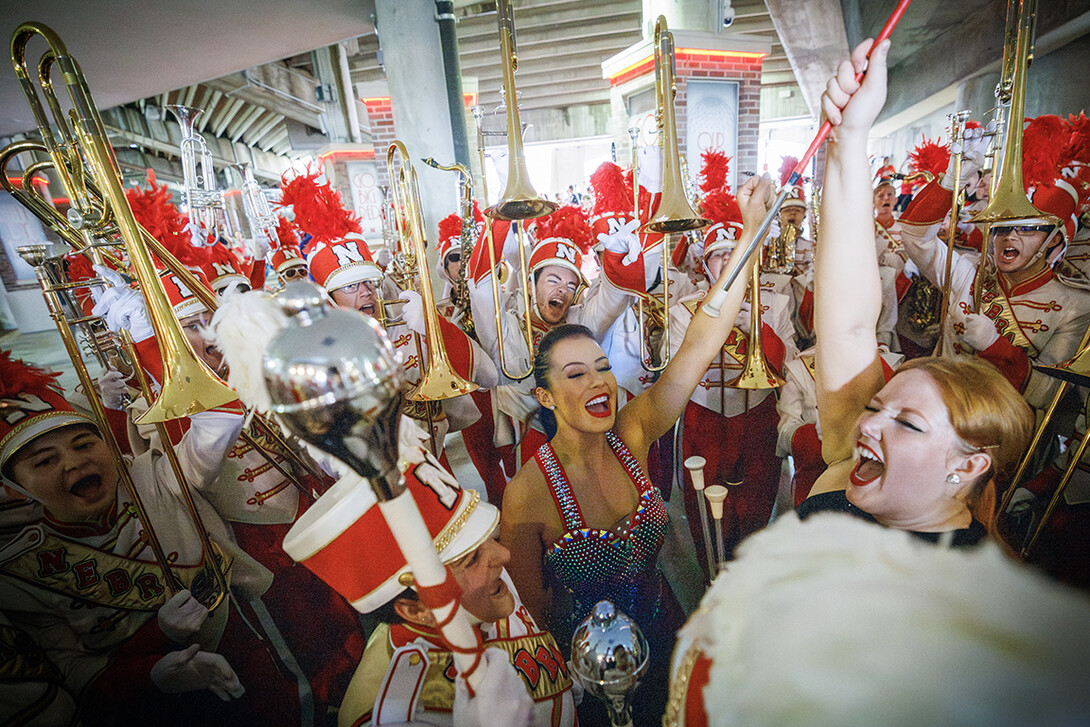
x=847 y=287
x=649 y=415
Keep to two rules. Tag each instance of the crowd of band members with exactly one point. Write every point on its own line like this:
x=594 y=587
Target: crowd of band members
x=574 y=434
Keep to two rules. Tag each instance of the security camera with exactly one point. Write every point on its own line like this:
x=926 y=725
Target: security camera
x=727 y=13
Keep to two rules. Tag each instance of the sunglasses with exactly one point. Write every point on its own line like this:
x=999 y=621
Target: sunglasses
x=292 y=273
x=1020 y=230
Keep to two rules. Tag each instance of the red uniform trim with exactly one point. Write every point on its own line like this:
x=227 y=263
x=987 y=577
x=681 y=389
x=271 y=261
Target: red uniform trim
x=929 y=207
x=1011 y=361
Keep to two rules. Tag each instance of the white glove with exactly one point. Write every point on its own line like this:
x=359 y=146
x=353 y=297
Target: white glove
x=182 y=617
x=122 y=307
x=650 y=170
x=623 y=240
x=413 y=311
x=975 y=146
x=262 y=247
x=976 y=330
x=501 y=696
x=192 y=670
x=197 y=234
x=114 y=390
x=891 y=259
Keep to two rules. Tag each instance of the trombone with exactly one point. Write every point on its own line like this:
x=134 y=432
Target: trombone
x=438 y=379
x=188 y=386
x=519 y=201
x=674 y=214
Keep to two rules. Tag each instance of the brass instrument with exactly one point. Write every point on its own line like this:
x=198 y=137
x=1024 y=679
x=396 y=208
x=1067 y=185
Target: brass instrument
x=1007 y=200
x=756 y=373
x=519 y=201
x=779 y=255
x=957 y=130
x=675 y=214
x=203 y=198
x=459 y=294
x=188 y=386
x=259 y=213
x=44 y=264
x=438 y=379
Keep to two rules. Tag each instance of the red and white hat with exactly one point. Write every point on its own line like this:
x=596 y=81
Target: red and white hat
x=612 y=200
x=795 y=197
x=561 y=239
x=1044 y=142
x=184 y=302
x=345 y=540
x=318 y=210
x=286 y=257
x=334 y=265
x=31 y=404
x=223 y=268
x=721 y=207
x=450 y=232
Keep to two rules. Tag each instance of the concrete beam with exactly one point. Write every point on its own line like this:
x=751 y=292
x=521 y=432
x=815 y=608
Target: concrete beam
x=814 y=41
x=551 y=35
x=243 y=122
x=968 y=49
x=210 y=109
x=580 y=14
x=232 y=108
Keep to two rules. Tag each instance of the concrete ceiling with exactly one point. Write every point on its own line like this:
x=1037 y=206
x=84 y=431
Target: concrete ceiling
x=132 y=49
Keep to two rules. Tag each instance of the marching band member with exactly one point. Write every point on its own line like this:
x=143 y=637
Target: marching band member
x=406 y=674
x=734 y=429
x=285 y=259
x=83 y=584
x=555 y=280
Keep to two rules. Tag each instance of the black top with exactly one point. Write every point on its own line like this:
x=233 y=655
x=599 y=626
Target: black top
x=838 y=502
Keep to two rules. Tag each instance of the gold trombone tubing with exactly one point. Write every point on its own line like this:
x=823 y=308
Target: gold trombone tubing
x=957 y=128
x=188 y=386
x=36 y=256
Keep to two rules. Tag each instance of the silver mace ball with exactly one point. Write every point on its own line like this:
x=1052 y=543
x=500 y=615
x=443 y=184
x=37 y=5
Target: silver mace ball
x=609 y=655
x=335 y=382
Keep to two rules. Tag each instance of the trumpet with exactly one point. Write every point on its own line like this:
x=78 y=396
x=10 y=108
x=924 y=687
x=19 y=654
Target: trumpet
x=519 y=201
x=779 y=256
x=674 y=214
x=203 y=198
x=189 y=386
x=259 y=214
x=438 y=380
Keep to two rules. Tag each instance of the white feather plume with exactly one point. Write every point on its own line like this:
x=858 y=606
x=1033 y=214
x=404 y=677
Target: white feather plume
x=837 y=621
x=242 y=328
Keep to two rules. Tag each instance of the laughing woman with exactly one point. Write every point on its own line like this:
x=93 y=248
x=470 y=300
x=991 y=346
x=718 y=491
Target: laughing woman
x=922 y=452
x=582 y=520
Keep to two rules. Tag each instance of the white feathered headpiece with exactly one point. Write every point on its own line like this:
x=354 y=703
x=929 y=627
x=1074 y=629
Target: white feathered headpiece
x=837 y=621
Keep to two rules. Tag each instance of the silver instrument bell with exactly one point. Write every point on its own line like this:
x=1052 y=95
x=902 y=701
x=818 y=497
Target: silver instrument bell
x=610 y=655
x=335 y=383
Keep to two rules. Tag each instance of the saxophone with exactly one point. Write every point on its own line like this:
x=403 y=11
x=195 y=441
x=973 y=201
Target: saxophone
x=779 y=256
x=459 y=294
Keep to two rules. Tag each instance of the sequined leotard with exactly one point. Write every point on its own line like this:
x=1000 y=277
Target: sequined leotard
x=594 y=564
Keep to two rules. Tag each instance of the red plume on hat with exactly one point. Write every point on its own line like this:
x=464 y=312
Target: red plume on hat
x=721 y=206
x=611 y=194
x=17 y=377
x=786 y=167
x=570 y=223
x=285 y=233
x=1043 y=143
x=930 y=156
x=154 y=209
x=450 y=226
x=318 y=210
x=714 y=170
x=1077 y=148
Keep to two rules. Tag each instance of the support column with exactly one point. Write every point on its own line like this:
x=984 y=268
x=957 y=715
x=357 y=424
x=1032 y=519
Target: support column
x=452 y=67
x=413 y=60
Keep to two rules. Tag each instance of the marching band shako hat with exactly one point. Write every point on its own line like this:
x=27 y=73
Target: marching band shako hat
x=31 y=404
x=184 y=302
x=223 y=268
x=345 y=540
x=334 y=265
x=318 y=210
x=286 y=257
x=795 y=197
x=612 y=200
x=561 y=238
x=721 y=207
x=450 y=236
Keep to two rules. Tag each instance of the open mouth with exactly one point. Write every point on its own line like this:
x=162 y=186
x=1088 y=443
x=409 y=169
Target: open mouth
x=368 y=309
x=598 y=406
x=869 y=468
x=1008 y=254
x=86 y=486
x=557 y=304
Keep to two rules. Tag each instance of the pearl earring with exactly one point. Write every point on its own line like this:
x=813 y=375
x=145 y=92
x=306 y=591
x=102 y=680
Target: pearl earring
x=953 y=479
